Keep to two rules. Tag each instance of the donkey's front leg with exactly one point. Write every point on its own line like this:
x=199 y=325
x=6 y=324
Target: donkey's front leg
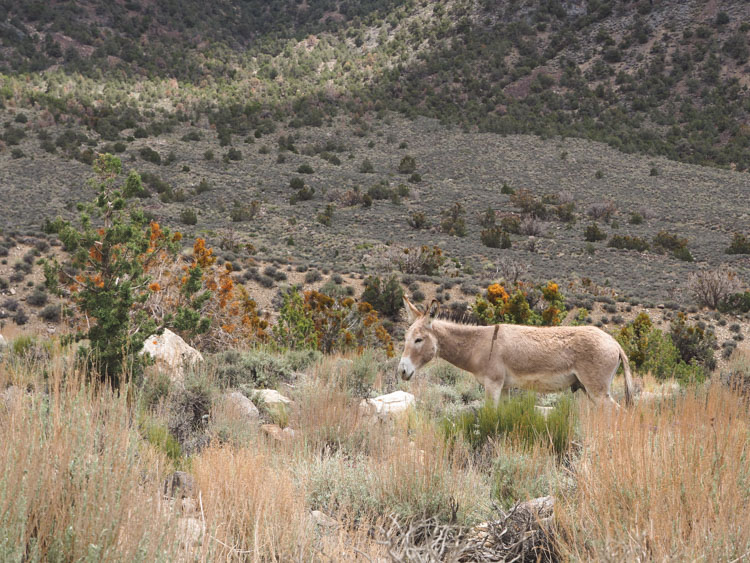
x=493 y=390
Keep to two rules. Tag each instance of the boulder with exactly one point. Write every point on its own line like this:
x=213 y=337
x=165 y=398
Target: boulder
x=237 y=404
x=171 y=354
x=271 y=397
x=3 y=342
x=384 y=405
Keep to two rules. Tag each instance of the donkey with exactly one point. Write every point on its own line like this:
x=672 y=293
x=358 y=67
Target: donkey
x=543 y=359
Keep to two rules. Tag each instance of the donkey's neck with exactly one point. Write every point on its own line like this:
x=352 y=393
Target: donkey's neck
x=461 y=344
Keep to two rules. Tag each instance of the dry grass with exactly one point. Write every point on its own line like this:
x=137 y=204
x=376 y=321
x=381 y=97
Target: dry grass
x=77 y=483
x=667 y=480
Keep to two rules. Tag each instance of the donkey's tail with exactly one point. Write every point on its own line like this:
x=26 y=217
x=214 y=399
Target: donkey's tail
x=628 y=377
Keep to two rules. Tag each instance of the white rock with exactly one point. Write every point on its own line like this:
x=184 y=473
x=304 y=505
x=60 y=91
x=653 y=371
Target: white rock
x=272 y=397
x=392 y=403
x=3 y=342
x=171 y=353
x=241 y=406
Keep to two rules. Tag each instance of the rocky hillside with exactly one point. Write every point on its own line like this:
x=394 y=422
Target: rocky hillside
x=662 y=77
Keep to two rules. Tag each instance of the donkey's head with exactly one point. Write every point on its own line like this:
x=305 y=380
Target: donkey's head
x=421 y=344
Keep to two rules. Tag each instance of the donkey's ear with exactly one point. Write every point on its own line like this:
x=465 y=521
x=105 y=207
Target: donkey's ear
x=432 y=311
x=411 y=311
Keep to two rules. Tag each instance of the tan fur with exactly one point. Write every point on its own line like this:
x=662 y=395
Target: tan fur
x=543 y=359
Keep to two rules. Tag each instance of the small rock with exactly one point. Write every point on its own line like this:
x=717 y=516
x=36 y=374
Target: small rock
x=323 y=520
x=241 y=406
x=12 y=291
x=272 y=397
x=179 y=485
x=392 y=403
x=3 y=342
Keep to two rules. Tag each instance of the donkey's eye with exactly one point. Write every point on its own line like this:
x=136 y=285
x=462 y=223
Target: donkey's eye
x=418 y=340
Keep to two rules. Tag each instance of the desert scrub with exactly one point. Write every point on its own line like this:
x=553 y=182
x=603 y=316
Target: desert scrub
x=740 y=245
x=592 y=233
x=632 y=498
x=259 y=368
x=516 y=418
x=453 y=222
x=89 y=434
x=628 y=242
x=385 y=295
x=651 y=351
x=406 y=480
x=522 y=474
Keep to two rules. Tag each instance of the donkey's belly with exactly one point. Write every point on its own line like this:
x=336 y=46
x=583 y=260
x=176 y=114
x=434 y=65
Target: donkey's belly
x=541 y=382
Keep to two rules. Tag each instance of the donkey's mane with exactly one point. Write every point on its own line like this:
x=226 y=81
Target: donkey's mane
x=459 y=317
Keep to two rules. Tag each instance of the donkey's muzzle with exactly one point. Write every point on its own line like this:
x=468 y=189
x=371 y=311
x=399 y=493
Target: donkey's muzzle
x=405 y=369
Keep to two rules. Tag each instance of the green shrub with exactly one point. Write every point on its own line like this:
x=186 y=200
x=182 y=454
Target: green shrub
x=386 y=296
x=453 y=222
x=203 y=186
x=515 y=478
x=241 y=212
x=516 y=418
x=628 y=242
x=506 y=189
x=188 y=217
x=495 y=237
x=233 y=154
x=51 y=313
x=740 y=245
x=257 y=368
x=305 y=169
x=158 y=435
x=325 y=217
x=155 y=390
x=593 y=233
x=37 y=298
x=304 y=194
x=407 y=165
x=418 y=220
x=651 y=351
x=366 y=167
x=694 y=343
x=735 y=303
x=363 y=373
x=296 y=183
x=150 y=155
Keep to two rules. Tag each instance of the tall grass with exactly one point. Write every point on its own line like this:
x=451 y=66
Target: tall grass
x=516 y=418
x=667 y=481
x=76 y=483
